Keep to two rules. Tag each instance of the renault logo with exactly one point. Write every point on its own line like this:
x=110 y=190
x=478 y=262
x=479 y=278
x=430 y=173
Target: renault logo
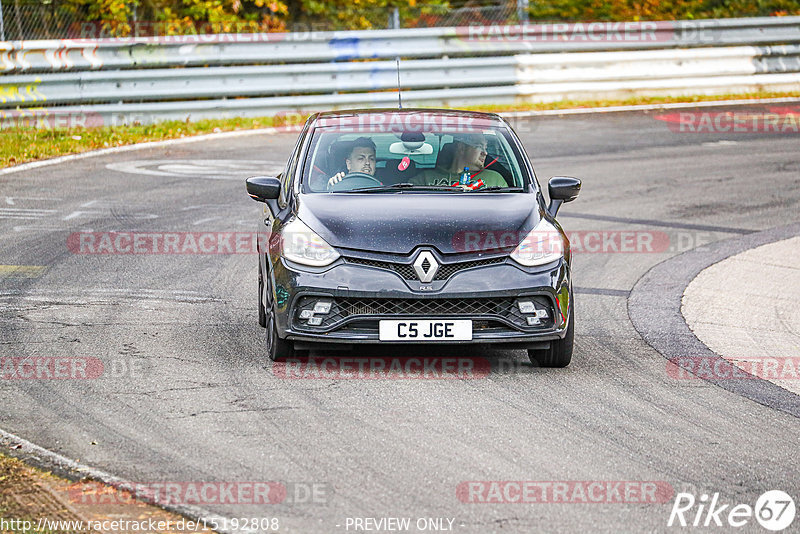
x=426 y=266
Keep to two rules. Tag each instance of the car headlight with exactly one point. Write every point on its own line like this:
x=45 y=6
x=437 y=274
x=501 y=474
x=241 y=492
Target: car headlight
x=542 y=245
x=302 y=245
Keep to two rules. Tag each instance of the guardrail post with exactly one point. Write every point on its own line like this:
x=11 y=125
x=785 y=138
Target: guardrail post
x=2 y=24
x=394 y=19
x=522 y=10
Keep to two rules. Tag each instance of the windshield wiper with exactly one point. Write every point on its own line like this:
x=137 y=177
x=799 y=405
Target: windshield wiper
x=496 y=188
x=402 y=186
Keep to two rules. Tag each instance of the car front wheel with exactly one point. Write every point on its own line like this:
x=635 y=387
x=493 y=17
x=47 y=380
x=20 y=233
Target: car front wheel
x=559 y=354
x=277 y=348
x=262 y=315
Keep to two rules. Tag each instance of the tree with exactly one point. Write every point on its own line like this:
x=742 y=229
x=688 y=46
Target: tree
x=123 y=18
x=361 y=14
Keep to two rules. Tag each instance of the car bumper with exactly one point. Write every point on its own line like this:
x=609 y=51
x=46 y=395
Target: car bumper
x=362 y=295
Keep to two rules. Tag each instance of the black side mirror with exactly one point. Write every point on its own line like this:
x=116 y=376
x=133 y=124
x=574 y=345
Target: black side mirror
x=562 y=189
x=263 y=188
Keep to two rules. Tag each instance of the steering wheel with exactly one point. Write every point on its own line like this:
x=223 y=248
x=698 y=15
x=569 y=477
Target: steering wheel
x=356 y=180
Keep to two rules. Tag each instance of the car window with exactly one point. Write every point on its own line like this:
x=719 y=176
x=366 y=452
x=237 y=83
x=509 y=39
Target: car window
x=422 y=158
x=288 y=173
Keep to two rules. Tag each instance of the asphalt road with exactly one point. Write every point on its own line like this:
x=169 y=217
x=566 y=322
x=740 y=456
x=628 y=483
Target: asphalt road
x=204 y=403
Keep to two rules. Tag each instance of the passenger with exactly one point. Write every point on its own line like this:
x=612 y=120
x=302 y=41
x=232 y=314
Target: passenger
x=469 y=151
x=360 y=159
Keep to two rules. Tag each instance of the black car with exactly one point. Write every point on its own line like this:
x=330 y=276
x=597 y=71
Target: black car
x=413 y=226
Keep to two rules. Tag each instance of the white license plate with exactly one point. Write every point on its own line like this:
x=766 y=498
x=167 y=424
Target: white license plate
x=425 y=330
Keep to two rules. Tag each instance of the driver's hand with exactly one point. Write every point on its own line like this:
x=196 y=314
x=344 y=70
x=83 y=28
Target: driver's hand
x=336 y=178
x=464 y=187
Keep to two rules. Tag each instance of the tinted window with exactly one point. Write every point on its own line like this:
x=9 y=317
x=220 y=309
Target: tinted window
x=436 y=157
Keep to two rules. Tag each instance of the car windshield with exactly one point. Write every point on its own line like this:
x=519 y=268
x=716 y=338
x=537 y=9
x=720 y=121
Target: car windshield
x=388 y=152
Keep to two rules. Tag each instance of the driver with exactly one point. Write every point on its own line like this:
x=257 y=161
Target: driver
x=470 y=150
x=360 y=159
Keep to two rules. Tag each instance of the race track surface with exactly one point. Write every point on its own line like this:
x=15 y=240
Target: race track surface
x=193 y=398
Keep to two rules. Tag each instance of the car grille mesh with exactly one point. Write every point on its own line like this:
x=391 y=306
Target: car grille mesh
x=424 y=307
x=406 y=270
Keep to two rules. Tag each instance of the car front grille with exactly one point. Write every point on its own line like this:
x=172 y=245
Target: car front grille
x=406 y=270
x=422 y=307
x=500 y=310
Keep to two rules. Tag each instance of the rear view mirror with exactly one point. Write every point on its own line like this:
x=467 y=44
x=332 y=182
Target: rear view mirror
x=411 y=143
x=263 y=188
x=562 y=189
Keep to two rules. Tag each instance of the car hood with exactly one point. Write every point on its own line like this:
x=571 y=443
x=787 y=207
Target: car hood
x=398 y=223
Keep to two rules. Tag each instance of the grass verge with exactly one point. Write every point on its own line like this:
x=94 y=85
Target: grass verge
x=24 y=145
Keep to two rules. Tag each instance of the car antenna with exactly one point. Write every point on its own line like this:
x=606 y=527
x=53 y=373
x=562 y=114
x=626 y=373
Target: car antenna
x=399 y=97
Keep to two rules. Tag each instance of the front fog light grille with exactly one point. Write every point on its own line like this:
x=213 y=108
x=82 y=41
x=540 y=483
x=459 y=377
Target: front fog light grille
x=340 y=310
x=534 y=311
x=312 y=311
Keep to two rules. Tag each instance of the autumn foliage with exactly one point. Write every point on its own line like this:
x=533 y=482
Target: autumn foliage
x=121 y=17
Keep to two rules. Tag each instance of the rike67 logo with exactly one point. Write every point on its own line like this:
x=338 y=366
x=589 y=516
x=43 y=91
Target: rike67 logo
x=774 y=510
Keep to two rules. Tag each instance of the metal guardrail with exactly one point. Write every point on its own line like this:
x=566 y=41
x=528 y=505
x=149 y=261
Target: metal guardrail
x=237 y=49
x=216 y=82
x=151 y=79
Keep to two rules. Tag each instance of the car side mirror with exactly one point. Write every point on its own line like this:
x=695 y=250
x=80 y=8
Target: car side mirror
x=263 y=188
x=562 y=189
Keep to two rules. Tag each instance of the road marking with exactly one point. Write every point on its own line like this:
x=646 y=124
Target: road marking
x=602 y=291
x=11 y=201
x=81 y=296
x=650 y=107
x=76 y=214
x=651 y=222
x=212 y=169
x=52 y=228
x=724 y=142
x=203 y=206
x=22 y=271
x=23 y=213
x=207 y=219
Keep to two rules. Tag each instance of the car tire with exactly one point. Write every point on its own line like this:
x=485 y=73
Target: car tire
x=559 y=354
x=262 y=314
x=277 y=349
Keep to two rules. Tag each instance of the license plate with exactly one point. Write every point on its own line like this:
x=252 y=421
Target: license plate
x=425 y=330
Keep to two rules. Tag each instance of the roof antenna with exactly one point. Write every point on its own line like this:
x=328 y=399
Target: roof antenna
x=399 y=98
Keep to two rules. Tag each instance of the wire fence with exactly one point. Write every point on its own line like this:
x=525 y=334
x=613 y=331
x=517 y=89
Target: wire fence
x=60 y=19
x=40 y=20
